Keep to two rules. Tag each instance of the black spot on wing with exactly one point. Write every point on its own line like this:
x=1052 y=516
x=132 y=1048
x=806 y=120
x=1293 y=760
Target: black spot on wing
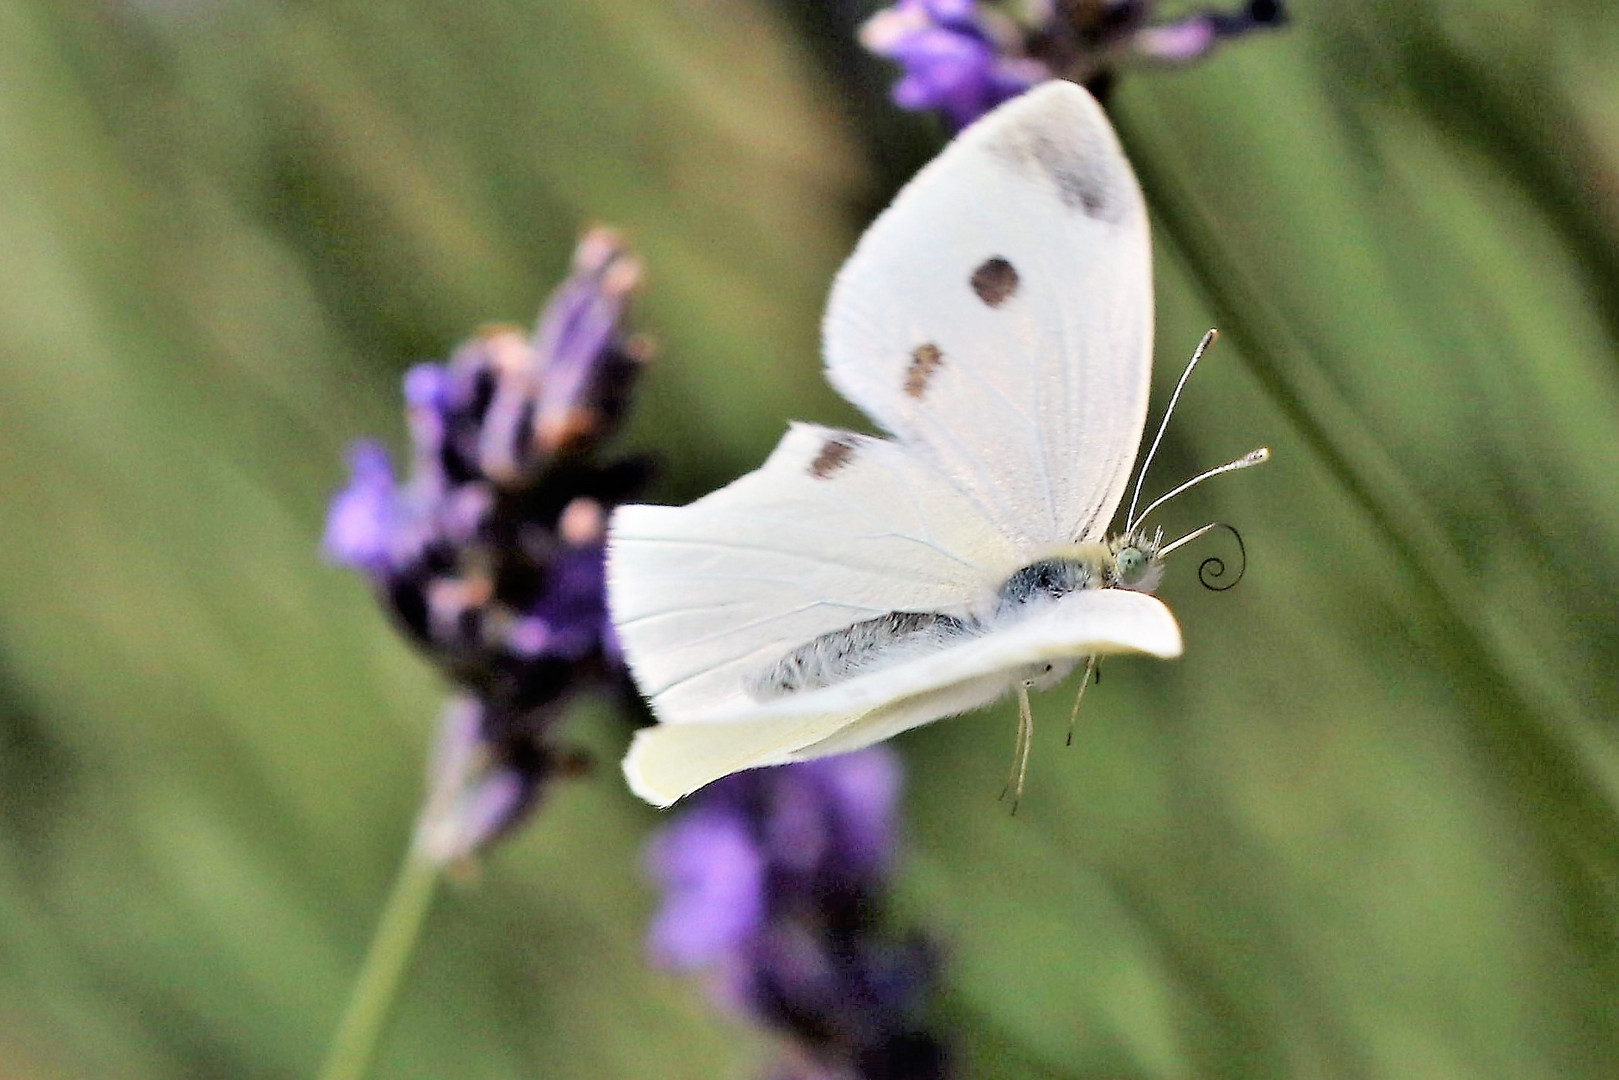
x=1084 y=169
x=1082 y=174
x=925 y=360
x=834 y=455
x=995 y=281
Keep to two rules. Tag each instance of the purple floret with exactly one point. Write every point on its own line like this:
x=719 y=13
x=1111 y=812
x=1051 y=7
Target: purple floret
x=364 y=516
x=712 y=874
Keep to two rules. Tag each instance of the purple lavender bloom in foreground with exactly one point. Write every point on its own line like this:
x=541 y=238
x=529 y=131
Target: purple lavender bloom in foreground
x=961 y=58
x=489 y=556
x=774 y=881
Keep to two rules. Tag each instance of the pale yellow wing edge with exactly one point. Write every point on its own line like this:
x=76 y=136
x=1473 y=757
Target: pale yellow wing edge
x=667 y=762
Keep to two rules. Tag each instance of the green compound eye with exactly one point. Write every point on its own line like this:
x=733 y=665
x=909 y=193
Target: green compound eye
x=1131 y=563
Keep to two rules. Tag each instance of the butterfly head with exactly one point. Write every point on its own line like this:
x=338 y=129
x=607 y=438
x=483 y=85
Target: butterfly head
x=1136 y=561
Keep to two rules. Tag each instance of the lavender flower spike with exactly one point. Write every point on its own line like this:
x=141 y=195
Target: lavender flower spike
x=773 y=883
x=956 y=60
x=961 y=58
x=489 y=555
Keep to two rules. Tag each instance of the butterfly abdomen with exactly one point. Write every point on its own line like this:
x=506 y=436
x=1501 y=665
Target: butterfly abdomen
x=855 y=650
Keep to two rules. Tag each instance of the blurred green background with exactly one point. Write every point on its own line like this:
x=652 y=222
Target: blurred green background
x=1367 y=827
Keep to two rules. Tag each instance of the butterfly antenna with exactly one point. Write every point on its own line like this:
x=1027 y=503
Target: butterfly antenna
x=1212 y=569
x=1247 y=461
x=1141 y=474
x=1091 y=671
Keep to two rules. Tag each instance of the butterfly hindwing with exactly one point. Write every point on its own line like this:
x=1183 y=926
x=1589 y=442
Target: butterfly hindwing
x=669 y=761
x=834 y=529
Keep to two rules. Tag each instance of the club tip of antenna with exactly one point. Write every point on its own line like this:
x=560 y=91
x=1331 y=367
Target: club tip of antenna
x=1256 y=457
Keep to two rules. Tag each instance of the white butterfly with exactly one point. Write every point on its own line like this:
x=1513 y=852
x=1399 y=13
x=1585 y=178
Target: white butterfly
x=997 y=320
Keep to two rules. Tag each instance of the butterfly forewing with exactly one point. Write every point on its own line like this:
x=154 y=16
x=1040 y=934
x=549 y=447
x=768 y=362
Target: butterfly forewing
x=997 y=318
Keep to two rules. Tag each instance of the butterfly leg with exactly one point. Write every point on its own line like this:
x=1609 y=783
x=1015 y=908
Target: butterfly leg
x=1093 y=670
x=1019 y=746
x=1026 y=722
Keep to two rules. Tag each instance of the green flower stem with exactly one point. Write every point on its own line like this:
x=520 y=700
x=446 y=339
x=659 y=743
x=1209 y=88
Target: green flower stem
x=393 y=945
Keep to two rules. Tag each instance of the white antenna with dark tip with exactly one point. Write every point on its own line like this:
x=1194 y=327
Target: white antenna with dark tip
x=1247 y=461
x=1141 y=475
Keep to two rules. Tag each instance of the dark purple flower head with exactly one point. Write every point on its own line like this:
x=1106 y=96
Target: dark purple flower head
x=960 y=58
x=490 y=554
x=955 y=60
x=774 y=881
